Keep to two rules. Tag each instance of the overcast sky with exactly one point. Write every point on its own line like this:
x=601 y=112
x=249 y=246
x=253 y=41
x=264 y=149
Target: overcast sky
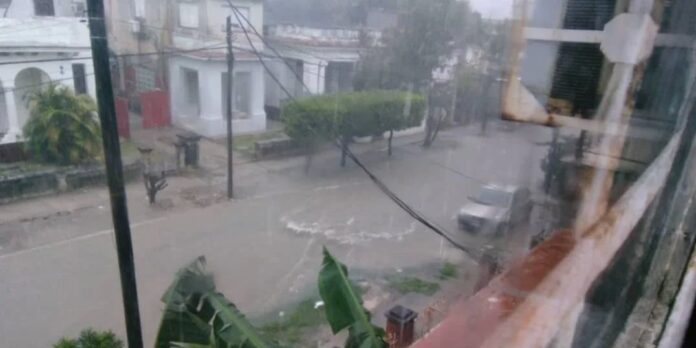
x=493 y=8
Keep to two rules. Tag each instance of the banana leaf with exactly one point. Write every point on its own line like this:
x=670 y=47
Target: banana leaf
x=343 y=306
x=196 y=315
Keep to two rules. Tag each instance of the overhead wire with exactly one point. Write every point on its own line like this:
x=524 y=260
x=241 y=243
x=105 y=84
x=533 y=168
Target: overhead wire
x=268 y=70
x=174 y=52
x=376 y=180
x=238 y=14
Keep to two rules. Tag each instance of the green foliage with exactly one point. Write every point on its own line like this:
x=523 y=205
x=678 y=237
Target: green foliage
x=412 y=284
x=344 y=308
x=448 y=271
x=293 y=329
x=62 y=128
x=196 y=314
x=90 y=338
x=322 y=118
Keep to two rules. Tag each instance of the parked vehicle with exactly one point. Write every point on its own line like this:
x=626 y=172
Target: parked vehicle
x=495 y=210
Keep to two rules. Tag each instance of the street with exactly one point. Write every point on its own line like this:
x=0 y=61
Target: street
x=59 y=273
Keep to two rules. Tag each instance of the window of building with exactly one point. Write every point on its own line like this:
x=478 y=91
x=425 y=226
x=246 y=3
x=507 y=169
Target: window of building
x=241 y=101
x=244 y=16
x=139 y=8
x=44 y=8
x=79 y=78
x=188 y=15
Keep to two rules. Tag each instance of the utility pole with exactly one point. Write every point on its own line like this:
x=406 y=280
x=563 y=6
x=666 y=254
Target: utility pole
x=114 y=171
x=228 y=98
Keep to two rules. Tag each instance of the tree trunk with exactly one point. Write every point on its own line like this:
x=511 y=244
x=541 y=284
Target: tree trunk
x=438 y=125
x=389 y=146
x=308 y=161
x=344 y=150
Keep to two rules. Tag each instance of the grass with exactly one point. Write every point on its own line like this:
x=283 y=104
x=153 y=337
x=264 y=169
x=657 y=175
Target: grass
x=245 y=143
x=406 y=285
x=448 y=271
x=129 y=149
x=293 y=328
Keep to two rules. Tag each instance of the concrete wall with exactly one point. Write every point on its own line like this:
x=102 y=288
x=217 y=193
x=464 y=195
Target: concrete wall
x=210 y=121
x=25 y=8
x=120 y=16
x=314 y=69
x=212 y=15
x=218 y=10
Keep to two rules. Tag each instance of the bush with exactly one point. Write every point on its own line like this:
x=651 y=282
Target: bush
x=448 y=271
x=407 y=285
x=62 y=128
x=91 y=339
x=351 y=114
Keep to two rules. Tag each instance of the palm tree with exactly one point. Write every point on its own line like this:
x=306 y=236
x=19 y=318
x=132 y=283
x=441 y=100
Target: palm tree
x=62 y=128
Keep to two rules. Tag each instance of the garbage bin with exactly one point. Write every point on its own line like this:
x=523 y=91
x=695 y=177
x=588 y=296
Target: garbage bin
x=189 y=143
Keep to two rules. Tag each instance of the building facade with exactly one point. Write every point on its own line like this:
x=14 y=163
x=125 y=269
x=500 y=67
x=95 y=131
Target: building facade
x=198 y=72
x=37 y=49
x=316 y=60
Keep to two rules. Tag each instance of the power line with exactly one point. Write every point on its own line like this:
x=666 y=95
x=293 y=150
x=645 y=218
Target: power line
x=299 y=78
x=206 y=48
x=246 y=34
x=3 y=91
x=377 y=181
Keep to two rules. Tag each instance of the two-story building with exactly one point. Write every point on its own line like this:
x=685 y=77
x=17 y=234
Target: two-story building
x=198 y=76
x=319 y=55
x=41 y=42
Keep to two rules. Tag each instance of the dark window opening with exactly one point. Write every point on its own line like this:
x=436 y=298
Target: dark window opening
x=79 y=78
x=588 y=14
x=44 y=8
x=577 y=76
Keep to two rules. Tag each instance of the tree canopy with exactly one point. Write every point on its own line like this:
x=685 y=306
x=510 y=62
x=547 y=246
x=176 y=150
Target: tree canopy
x=62 y=128
x=351 y=114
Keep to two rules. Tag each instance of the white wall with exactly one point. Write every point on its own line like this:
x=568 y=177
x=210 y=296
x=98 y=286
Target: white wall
x=210 y=121
x=25 y=8
x=218 y=10
x=59 y=72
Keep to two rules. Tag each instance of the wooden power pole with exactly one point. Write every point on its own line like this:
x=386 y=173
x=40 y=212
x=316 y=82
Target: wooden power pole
x=228 y=100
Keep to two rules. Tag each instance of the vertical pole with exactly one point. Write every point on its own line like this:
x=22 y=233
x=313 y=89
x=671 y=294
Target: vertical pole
x=114 y=171
x=228 y=97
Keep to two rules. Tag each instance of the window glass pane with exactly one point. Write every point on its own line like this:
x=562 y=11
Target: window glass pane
x=412 y=173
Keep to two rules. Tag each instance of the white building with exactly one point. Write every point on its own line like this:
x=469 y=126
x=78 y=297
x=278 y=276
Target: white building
x=37 y=51
x=198 y=79
x=325 y=60
x=42 y=8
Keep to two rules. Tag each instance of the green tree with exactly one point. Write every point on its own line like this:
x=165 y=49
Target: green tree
x=342 y=116
x=62 y=128
x=90 y=338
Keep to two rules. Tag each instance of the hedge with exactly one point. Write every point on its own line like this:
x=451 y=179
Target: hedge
x=351 y=114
